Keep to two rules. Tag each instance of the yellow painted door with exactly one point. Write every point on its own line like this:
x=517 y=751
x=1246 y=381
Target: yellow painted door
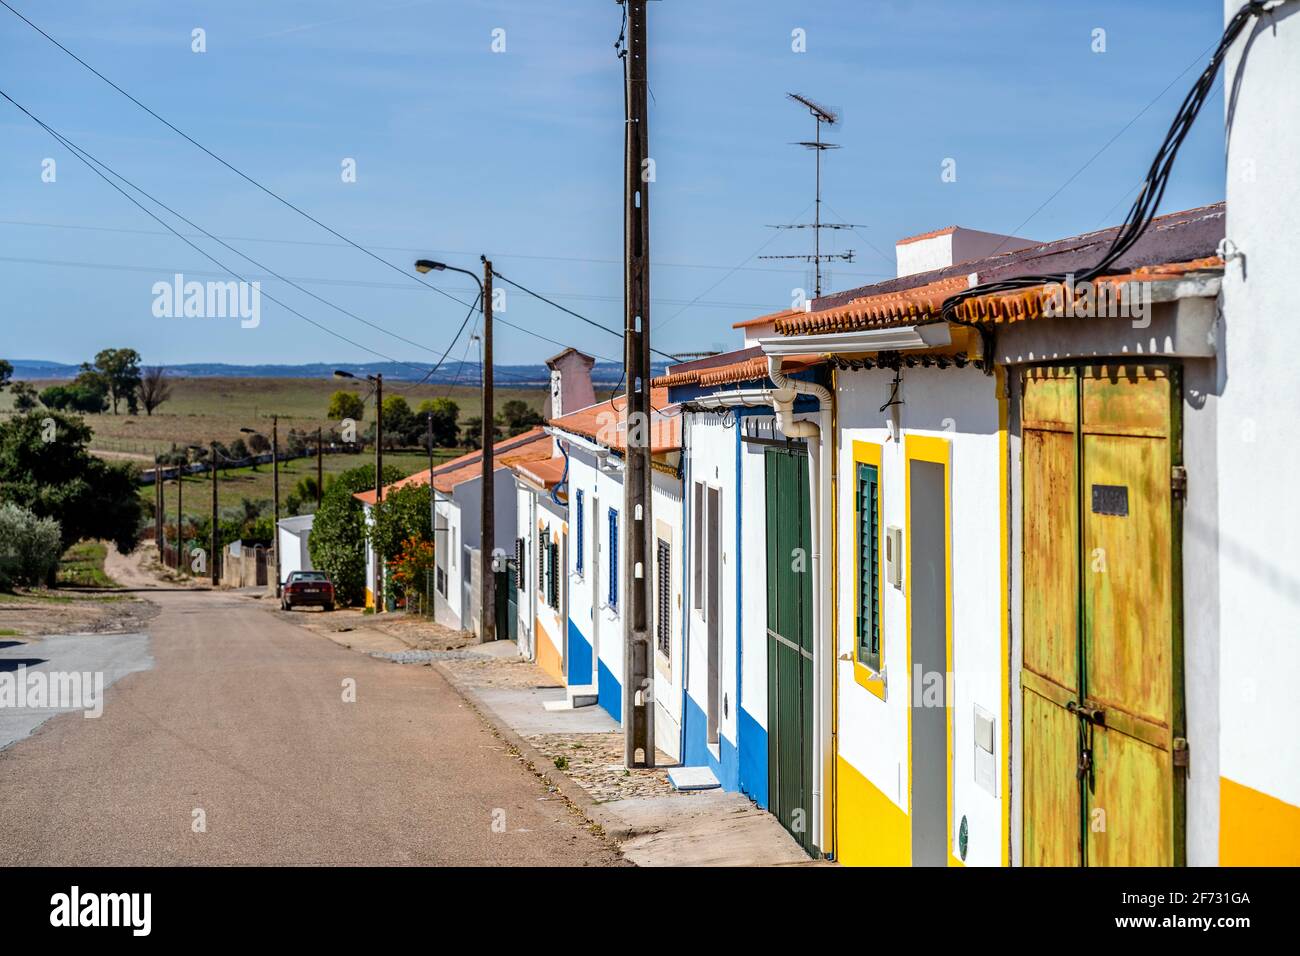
x=1128 y=615
x=1099 y=685
x=1049 y=679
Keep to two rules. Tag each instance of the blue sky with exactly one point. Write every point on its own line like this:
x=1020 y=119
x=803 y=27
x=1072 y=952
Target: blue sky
x=518 y=154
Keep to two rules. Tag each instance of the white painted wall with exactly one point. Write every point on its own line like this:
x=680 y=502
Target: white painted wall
x=550 y=523
x=961 y=407
x=595 y=619
x=712 y=461
x=1259 y=405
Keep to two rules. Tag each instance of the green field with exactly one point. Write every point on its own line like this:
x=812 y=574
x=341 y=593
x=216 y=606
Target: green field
x=214 y=409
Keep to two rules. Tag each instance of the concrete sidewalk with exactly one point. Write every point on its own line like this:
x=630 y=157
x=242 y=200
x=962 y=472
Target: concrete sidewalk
x=579 y=753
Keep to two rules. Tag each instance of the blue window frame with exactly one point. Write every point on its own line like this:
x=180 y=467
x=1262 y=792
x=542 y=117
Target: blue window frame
x=613 y=558
x=581 y=524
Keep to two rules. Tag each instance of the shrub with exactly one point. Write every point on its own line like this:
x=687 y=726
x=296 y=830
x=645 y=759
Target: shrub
x=29 y=547
x=338 y=536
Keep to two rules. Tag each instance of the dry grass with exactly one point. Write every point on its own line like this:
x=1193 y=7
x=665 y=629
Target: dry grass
x=214 y=409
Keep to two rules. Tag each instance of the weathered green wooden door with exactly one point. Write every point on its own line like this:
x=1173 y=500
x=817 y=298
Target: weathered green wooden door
x=1102 y=676
x=789 y=642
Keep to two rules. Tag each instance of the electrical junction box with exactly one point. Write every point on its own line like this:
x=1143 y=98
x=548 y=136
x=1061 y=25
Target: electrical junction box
x=986 y=761
x=894 y=556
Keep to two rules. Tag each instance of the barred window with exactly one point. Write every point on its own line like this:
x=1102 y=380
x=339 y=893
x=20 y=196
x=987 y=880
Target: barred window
x=613 y=559
x=579 y=554
x=663 y=606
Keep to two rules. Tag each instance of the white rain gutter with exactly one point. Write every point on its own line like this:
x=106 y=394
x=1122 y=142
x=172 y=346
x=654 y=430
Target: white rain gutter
x=604 y=461
x=929 y=336
x=734 y=398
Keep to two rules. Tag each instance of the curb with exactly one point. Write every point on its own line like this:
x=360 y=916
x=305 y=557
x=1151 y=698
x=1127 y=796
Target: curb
x=614 y=829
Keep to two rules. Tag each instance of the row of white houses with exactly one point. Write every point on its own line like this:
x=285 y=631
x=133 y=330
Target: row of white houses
x=1009 y=588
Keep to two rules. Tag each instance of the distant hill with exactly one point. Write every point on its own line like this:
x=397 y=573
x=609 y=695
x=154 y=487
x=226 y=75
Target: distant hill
x=464 y=373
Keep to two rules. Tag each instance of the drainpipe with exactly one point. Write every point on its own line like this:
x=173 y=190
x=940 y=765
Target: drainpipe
x=783 y=399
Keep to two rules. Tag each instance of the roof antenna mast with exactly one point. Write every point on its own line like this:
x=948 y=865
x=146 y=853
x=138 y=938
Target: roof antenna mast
x=820 y=115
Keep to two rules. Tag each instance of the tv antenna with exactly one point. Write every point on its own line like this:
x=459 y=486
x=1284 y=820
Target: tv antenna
x=820 y=115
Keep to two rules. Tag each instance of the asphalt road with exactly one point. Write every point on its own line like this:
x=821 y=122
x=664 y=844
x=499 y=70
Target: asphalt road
x=243 y=718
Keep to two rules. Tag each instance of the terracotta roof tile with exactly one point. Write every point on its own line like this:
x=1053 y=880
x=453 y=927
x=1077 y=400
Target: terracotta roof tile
x=932 y=234
x=924 y=303
x=605 y=422
x=745 y=370
x=766 y=319
x=530 y=445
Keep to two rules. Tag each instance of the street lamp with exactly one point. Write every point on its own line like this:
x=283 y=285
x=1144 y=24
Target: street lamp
x=275 y=485
x=378 y=381
x=487 y=589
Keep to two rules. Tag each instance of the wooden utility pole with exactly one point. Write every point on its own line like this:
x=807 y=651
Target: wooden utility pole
x=275 y=483
x=319 y=453
x=180 y=514
x=379 y=484
x=638 y=686
x=487 y=513
x=157 y=506
x=214 y=559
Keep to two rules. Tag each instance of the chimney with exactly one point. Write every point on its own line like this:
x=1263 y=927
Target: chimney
x=947 y=247
x=571 y=387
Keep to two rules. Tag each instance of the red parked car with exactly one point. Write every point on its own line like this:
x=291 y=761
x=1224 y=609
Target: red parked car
x=307 y=588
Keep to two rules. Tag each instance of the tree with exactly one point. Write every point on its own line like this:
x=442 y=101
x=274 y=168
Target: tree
x=31 y=547
x=24 y=396
x=47 y=469
x=74 y=398
x=445 y=431
x=403 y=513
x=338 y=535
x=518 y=416
x=473 y=432
x=154 y=389
x=6 y=373
x=120 y=369
x=399 y=422
x=345 y=404
x=238 y=450
x=258 y=443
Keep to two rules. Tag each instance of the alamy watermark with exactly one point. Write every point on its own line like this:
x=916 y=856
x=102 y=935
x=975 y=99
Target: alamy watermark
x=53 y=690
x=208 y=300
x=1101 y=300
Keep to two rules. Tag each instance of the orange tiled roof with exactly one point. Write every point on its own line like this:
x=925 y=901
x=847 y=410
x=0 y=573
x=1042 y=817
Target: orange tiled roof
x=765 y=319
x=605 y=422
x=920 y=304
x=529 y=445
x=745 y=370
x=925 y=303
x=545 y=473
x=932 y=234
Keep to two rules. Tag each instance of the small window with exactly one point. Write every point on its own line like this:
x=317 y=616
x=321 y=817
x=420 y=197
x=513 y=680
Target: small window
x=663 y=602
x=578 y=555
x=613 y=559
x=521 y=550
x=868 y=561
x=697 y=557
x=553 y=595
x=541 y=563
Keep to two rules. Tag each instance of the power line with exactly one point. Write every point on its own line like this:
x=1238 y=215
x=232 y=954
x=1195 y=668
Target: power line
x=270 y=192
x=75 y=150
x=591 y=322
x=245 y=256
x=421 y=249
x=349 y=283
x=730 y=273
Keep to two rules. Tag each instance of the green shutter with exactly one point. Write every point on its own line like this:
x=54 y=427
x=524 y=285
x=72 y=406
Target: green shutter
x=868 y=607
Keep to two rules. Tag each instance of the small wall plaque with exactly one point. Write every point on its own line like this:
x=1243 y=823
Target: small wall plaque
x=1110 y=500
